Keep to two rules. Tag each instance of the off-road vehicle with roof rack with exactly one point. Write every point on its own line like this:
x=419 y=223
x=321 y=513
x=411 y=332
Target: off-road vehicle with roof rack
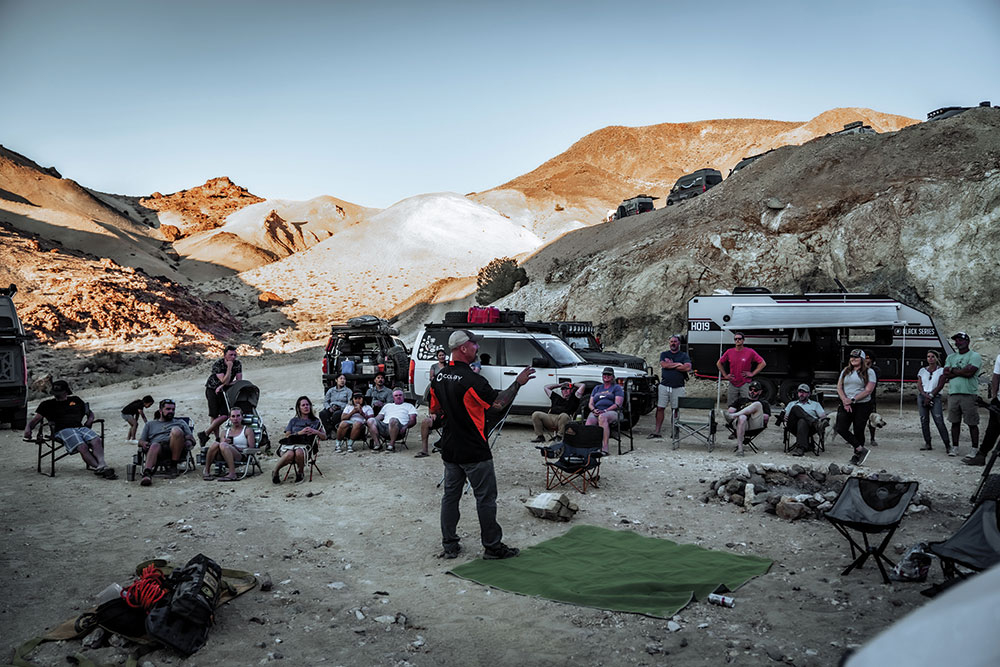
x=13 y=363
x=694 y=184
x=948 y=112
x=635 y=206
x=582 y=337
x=509 y=346
x=363 y=347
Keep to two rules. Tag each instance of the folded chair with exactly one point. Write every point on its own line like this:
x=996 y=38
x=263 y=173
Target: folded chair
x=51 y=449
x=976 y=544
x=869 y=507
x=576 y=460
x=685 y=428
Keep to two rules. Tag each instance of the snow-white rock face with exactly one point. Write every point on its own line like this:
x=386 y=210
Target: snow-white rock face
x=375 y=265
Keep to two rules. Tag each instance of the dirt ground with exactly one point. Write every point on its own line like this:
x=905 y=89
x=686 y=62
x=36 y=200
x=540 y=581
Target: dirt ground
x=360 y=544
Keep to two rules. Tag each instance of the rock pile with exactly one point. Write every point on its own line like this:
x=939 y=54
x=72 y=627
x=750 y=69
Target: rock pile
x=791 y=491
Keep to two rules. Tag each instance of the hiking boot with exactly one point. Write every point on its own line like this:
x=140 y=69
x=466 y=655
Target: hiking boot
x=974 y=460
x=540 y=438
x=451 y=551
x=953 y=451
x=147 y=477
x=861 y=456
x=927 y=447
x=202 y=438
x=500 y=552
x=798 y=451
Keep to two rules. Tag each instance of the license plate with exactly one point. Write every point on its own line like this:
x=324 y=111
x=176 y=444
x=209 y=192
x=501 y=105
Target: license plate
x=369 y=370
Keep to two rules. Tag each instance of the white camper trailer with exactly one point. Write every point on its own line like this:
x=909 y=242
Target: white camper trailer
x=808 y=337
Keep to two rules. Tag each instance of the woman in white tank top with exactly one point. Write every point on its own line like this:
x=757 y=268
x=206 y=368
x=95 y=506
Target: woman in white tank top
x=237 y=439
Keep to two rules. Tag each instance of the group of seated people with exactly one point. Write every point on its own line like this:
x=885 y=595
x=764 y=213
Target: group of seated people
x=604 y=406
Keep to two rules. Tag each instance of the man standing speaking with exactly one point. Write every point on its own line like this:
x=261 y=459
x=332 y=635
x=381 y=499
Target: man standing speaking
x=462 y=397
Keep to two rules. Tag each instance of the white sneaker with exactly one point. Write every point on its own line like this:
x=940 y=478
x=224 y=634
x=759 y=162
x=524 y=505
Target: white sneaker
x=350 y=446
x=339 y=446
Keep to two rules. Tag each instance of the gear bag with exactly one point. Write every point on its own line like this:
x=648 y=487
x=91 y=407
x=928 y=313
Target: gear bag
x=181 y=620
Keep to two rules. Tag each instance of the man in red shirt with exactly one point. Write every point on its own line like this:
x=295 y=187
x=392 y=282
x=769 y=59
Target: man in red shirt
x=741 y=360
x=462 y=397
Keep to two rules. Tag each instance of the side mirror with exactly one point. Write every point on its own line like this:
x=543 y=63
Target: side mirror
x=541 y=362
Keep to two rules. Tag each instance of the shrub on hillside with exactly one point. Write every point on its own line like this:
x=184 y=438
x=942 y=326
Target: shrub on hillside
x=497 y=279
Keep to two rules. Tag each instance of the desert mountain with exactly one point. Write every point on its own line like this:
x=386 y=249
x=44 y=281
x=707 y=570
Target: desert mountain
x=376 y=266
x=914 y=214
x=614 y=163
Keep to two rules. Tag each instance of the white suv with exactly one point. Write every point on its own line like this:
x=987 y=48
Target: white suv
x=507 y=348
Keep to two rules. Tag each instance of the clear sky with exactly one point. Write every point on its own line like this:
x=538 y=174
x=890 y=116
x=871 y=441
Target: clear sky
x=376 y=101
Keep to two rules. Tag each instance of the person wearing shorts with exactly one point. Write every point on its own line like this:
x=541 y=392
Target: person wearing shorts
x=675 y=365
x=66 y=412
x=749 y=414
x=960 y=372
x=225 y=372
x=740 y=360
x=605 y=405
x=132 y=412
x=392 y=421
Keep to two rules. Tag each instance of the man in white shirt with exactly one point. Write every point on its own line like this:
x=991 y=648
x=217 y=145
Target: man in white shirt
x=392 y=421
x=802 y=417
x=993 y=427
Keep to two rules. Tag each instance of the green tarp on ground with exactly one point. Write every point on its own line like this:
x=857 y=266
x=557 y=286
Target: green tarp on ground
x=617 y=570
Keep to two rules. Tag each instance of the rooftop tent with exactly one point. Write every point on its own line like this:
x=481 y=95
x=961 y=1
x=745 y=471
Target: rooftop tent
x=812 y=315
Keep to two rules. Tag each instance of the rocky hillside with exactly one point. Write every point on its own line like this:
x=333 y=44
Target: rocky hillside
x=617 y=162
x=913 y=213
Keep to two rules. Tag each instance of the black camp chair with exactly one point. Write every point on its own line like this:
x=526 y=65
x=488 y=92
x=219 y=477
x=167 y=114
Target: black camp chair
x=577 y=459
x=976 y=544
x=244 y=395
x=685 y=427
x=870 y=506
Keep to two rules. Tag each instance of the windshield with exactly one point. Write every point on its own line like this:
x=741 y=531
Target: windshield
x=562 y=353
x=581 y=342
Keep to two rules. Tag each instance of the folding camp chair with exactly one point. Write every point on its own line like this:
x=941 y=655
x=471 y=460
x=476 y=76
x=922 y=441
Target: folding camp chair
x=616 y=429
x=163 y=461
x=576 y=458
x=685 y=428
x=870 y=506
x=976 y=544
x=748 y=435
x=312 y=451
x=817 y=440
x=52 y=449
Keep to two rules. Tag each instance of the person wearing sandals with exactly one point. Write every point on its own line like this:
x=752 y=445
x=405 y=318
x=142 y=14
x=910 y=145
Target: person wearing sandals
x=854 y=387
x=237 y=439
x=352 y=423
x=299 y=434
x=929 y=401
x=392 y=421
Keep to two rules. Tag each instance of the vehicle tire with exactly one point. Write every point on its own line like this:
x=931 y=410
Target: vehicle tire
x=670 y=202
x=621 y=213
x=788 y=390
x=456 y=317
x=990 y=490
x=634 y=417
x=770 y=389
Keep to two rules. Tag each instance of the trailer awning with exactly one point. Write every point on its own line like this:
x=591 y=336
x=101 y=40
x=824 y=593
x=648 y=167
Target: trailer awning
x=812 y=316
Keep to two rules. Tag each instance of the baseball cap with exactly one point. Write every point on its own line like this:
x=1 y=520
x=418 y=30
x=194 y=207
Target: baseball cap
x=461 y=337
x=357 y=394
x=608 y=371
x=960 y=334
x=804 y=387
x=858 y=353
x=60 y=385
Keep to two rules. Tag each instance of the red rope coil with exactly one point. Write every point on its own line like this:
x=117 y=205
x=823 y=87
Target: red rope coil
x=145 y=591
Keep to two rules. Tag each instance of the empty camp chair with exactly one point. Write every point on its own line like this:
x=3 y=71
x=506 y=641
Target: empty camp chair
x=976 y=544
x=870 y=506
x=685 y=427
x=576 y=460
x=50 y=449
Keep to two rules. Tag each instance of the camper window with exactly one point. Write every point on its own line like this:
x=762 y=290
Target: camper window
x=869 y=336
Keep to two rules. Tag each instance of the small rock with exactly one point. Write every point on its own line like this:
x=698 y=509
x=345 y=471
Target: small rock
x=265 y=582
x=673 y=626
x=358 y=615
x=385 y=619
x=95 y=638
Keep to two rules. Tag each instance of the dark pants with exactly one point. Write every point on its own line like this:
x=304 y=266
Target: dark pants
x=331 y=419
x=856 y=420
x=802 y=425
x=934 y=411
x=484 y=485
x=992 y=429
